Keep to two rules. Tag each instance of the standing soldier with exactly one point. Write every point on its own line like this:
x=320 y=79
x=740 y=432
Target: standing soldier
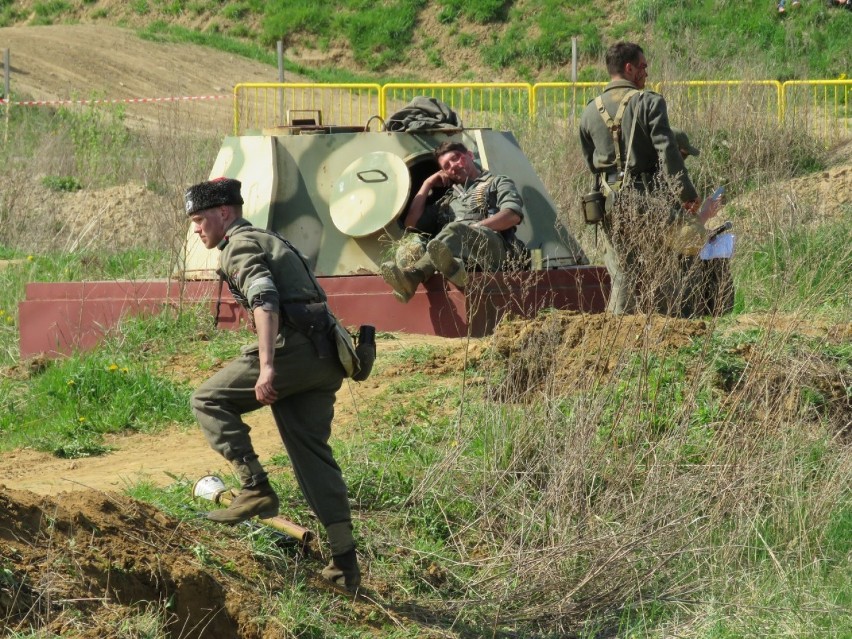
x=629 y=146
x=294 y=368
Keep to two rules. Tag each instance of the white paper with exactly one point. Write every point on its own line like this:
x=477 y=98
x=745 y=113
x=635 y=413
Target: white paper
x=720 y=248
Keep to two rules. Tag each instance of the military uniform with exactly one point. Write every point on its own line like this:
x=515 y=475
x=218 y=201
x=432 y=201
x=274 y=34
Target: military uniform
x=478 y=246
x=648 y=150
x=262 y=269
x=450 y=220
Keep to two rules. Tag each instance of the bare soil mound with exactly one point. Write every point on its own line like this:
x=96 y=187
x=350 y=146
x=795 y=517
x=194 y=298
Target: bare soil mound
x=81 y=564
x=828 y=194
x=114 y=218
x=566 y=349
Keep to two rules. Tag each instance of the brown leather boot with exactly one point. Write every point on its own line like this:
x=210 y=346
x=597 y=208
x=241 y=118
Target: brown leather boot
x=404 y=283
x=343 y=571
x=256 y=497
x=447 y=264
x=257 y=501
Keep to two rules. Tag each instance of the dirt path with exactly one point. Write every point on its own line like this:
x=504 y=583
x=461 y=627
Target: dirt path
x=183 y=452
x=77 y=62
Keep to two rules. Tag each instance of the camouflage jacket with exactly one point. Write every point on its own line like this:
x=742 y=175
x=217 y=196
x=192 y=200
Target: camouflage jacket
x=483 y=197
x=654 y=147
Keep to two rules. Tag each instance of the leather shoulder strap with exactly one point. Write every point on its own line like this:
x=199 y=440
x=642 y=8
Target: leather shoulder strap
x=614 y=123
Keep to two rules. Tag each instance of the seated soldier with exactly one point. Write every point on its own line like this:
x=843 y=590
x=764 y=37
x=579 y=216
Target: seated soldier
x=705 y=287
x=485 y=208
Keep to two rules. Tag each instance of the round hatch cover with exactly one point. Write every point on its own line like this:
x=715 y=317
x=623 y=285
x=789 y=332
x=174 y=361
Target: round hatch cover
x=369 y=194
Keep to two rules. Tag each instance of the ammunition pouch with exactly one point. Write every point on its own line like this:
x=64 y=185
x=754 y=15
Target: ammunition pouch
x=314 y=321
x=357 y=361
x=346 y=350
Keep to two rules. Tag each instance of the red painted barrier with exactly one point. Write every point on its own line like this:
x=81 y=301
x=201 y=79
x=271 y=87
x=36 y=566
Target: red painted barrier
x=56 y=319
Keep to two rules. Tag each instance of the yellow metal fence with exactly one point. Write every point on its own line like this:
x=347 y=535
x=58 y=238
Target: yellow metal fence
x=823 y=104
x=266 y=105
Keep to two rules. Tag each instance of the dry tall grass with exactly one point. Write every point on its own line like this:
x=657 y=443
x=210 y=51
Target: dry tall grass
x=130 y=183
x=661 y=482
x=696 y=492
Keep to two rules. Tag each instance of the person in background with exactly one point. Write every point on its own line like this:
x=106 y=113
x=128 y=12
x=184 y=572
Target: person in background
x=630 y=148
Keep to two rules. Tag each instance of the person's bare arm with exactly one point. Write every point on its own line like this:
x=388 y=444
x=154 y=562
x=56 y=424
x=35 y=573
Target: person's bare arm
x=501 y=221
x=418 y=202
x=266 y=323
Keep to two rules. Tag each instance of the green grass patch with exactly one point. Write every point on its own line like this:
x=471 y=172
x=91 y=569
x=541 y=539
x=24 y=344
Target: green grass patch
x=95 y=139
x=50 y=9
x=66 y=406
x=66 y=183
x=479 y=11
x=136 y=264
x=377 y=34
x=804 y=43
x=75 y=401
x=803 y=267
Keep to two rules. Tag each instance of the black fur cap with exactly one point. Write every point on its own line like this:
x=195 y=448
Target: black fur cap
x=216 y=192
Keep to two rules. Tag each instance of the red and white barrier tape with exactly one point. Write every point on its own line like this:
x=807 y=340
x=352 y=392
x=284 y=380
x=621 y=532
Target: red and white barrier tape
x=117 y=101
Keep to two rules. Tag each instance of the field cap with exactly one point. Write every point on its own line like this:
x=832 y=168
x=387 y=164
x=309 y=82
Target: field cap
x=212 y=193
x=683 y=142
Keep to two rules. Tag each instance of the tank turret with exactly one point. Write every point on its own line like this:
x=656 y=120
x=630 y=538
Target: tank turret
x=338 y=193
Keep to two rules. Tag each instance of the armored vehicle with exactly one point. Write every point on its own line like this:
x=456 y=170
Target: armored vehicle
x=338 y=194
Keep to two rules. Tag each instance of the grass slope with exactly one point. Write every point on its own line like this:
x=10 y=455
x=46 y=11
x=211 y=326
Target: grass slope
x=520 y=39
